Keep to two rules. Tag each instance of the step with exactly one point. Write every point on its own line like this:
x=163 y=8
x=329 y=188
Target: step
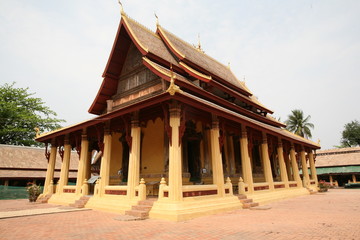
x=247 y=200
x=146 y=202
x=241 y=196
x=249 y=205
x=142 y=207
x=137 y=213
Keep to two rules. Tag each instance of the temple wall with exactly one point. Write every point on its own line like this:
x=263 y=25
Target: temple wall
x=116 y=159
x=152 y=152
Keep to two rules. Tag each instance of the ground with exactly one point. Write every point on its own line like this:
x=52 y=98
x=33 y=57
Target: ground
x=331 y=215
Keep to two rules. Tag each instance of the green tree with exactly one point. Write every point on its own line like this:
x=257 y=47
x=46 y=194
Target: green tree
x=351 y=134
x=20 y=114
x=299 y=125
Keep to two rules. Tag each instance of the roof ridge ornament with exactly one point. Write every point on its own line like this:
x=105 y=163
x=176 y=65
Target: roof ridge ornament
x=173 y=88
x=121 y=8
x=37 y=132
x=198 y=46
x=157 y=19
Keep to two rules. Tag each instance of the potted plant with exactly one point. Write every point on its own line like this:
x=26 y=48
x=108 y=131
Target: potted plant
x=323 y=186
x=33 y=190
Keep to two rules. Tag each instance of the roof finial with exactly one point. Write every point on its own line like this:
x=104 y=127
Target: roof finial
x=121 y=8
x=198 y=46
x=37 y=130
x=228 y=65
x=173 y=88
x=157 y=19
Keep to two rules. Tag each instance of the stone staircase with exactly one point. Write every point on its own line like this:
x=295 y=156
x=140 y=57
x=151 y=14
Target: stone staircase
x=246 y=202
x=44 y=199
x=141 y=210
x=81 y=202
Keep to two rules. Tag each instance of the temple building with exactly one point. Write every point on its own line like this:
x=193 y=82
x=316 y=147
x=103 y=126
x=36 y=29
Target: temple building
x=175 y=124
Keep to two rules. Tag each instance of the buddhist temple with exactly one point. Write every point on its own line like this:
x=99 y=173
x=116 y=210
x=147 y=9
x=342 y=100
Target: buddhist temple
x=175 y=126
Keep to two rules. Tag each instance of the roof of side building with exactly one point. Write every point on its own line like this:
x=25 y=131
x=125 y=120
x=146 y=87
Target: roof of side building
x=338 y=157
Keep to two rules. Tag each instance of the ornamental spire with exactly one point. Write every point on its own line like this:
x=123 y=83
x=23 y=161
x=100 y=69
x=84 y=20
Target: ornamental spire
x=157 y=19
x=121 y=8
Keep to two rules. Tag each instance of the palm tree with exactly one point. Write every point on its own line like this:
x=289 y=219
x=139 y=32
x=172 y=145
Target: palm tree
x=298 y=125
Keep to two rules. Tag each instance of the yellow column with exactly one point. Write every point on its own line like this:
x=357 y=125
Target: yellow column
x=175 y=169
x=245 y=160
x=354 y=178
x=295 y=167
x=105 y=163
x=288 y=167
x=134 y=157
x=267 y=165
x=331 y=180
x=81 y=168
x=216 y=159
x=64 y=173
x=306 y=178
x=283 y=171
x=231 y=156
x=50 y=169
x=312 y=167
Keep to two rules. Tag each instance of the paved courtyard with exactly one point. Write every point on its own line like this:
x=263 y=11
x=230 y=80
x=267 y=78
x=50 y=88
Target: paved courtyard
x=331 y=215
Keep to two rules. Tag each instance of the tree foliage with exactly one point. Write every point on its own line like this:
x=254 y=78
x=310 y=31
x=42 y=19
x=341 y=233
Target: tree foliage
x=21 y=113
x=351 y=134
x=299 y=125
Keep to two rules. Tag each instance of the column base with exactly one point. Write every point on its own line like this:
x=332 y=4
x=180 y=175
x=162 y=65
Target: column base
x=193 y=207
x=115 y=204
x=64 y=199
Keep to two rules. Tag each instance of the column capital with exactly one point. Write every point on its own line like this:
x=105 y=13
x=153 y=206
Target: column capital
x=175 y=109
x=214 y=122
x=84 y=137
x=135 y=119
x=264 y=138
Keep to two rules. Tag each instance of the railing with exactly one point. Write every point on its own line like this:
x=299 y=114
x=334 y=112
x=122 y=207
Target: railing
x=69 y=189
x=116 y=190
x=199 y=190
x=293 y=184
x=278 y=185
x=261 y=186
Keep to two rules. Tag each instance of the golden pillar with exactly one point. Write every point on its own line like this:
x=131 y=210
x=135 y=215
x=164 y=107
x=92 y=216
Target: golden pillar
x=312 y=167
x=266 y=160
x=245 y=160
x=105 y=162
x=50 y=169
x=283 y=170
x=83 y=157
x=64 y=173
x=306 y=178
x=175 y=169
x=354 y=178
x=295 y=168
x=134 y=157
x=216 y=159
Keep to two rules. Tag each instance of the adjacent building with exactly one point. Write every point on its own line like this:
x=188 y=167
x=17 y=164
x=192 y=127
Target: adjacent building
x=20 y=165
x=338 y=166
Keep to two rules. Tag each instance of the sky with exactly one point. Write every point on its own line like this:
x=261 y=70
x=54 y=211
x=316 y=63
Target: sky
x=292 y=54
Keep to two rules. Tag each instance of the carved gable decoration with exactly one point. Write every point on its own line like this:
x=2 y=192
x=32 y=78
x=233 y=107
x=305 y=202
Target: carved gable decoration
x=135 y=80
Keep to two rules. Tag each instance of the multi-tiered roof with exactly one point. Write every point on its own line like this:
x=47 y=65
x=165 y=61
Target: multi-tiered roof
x=205 y=83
